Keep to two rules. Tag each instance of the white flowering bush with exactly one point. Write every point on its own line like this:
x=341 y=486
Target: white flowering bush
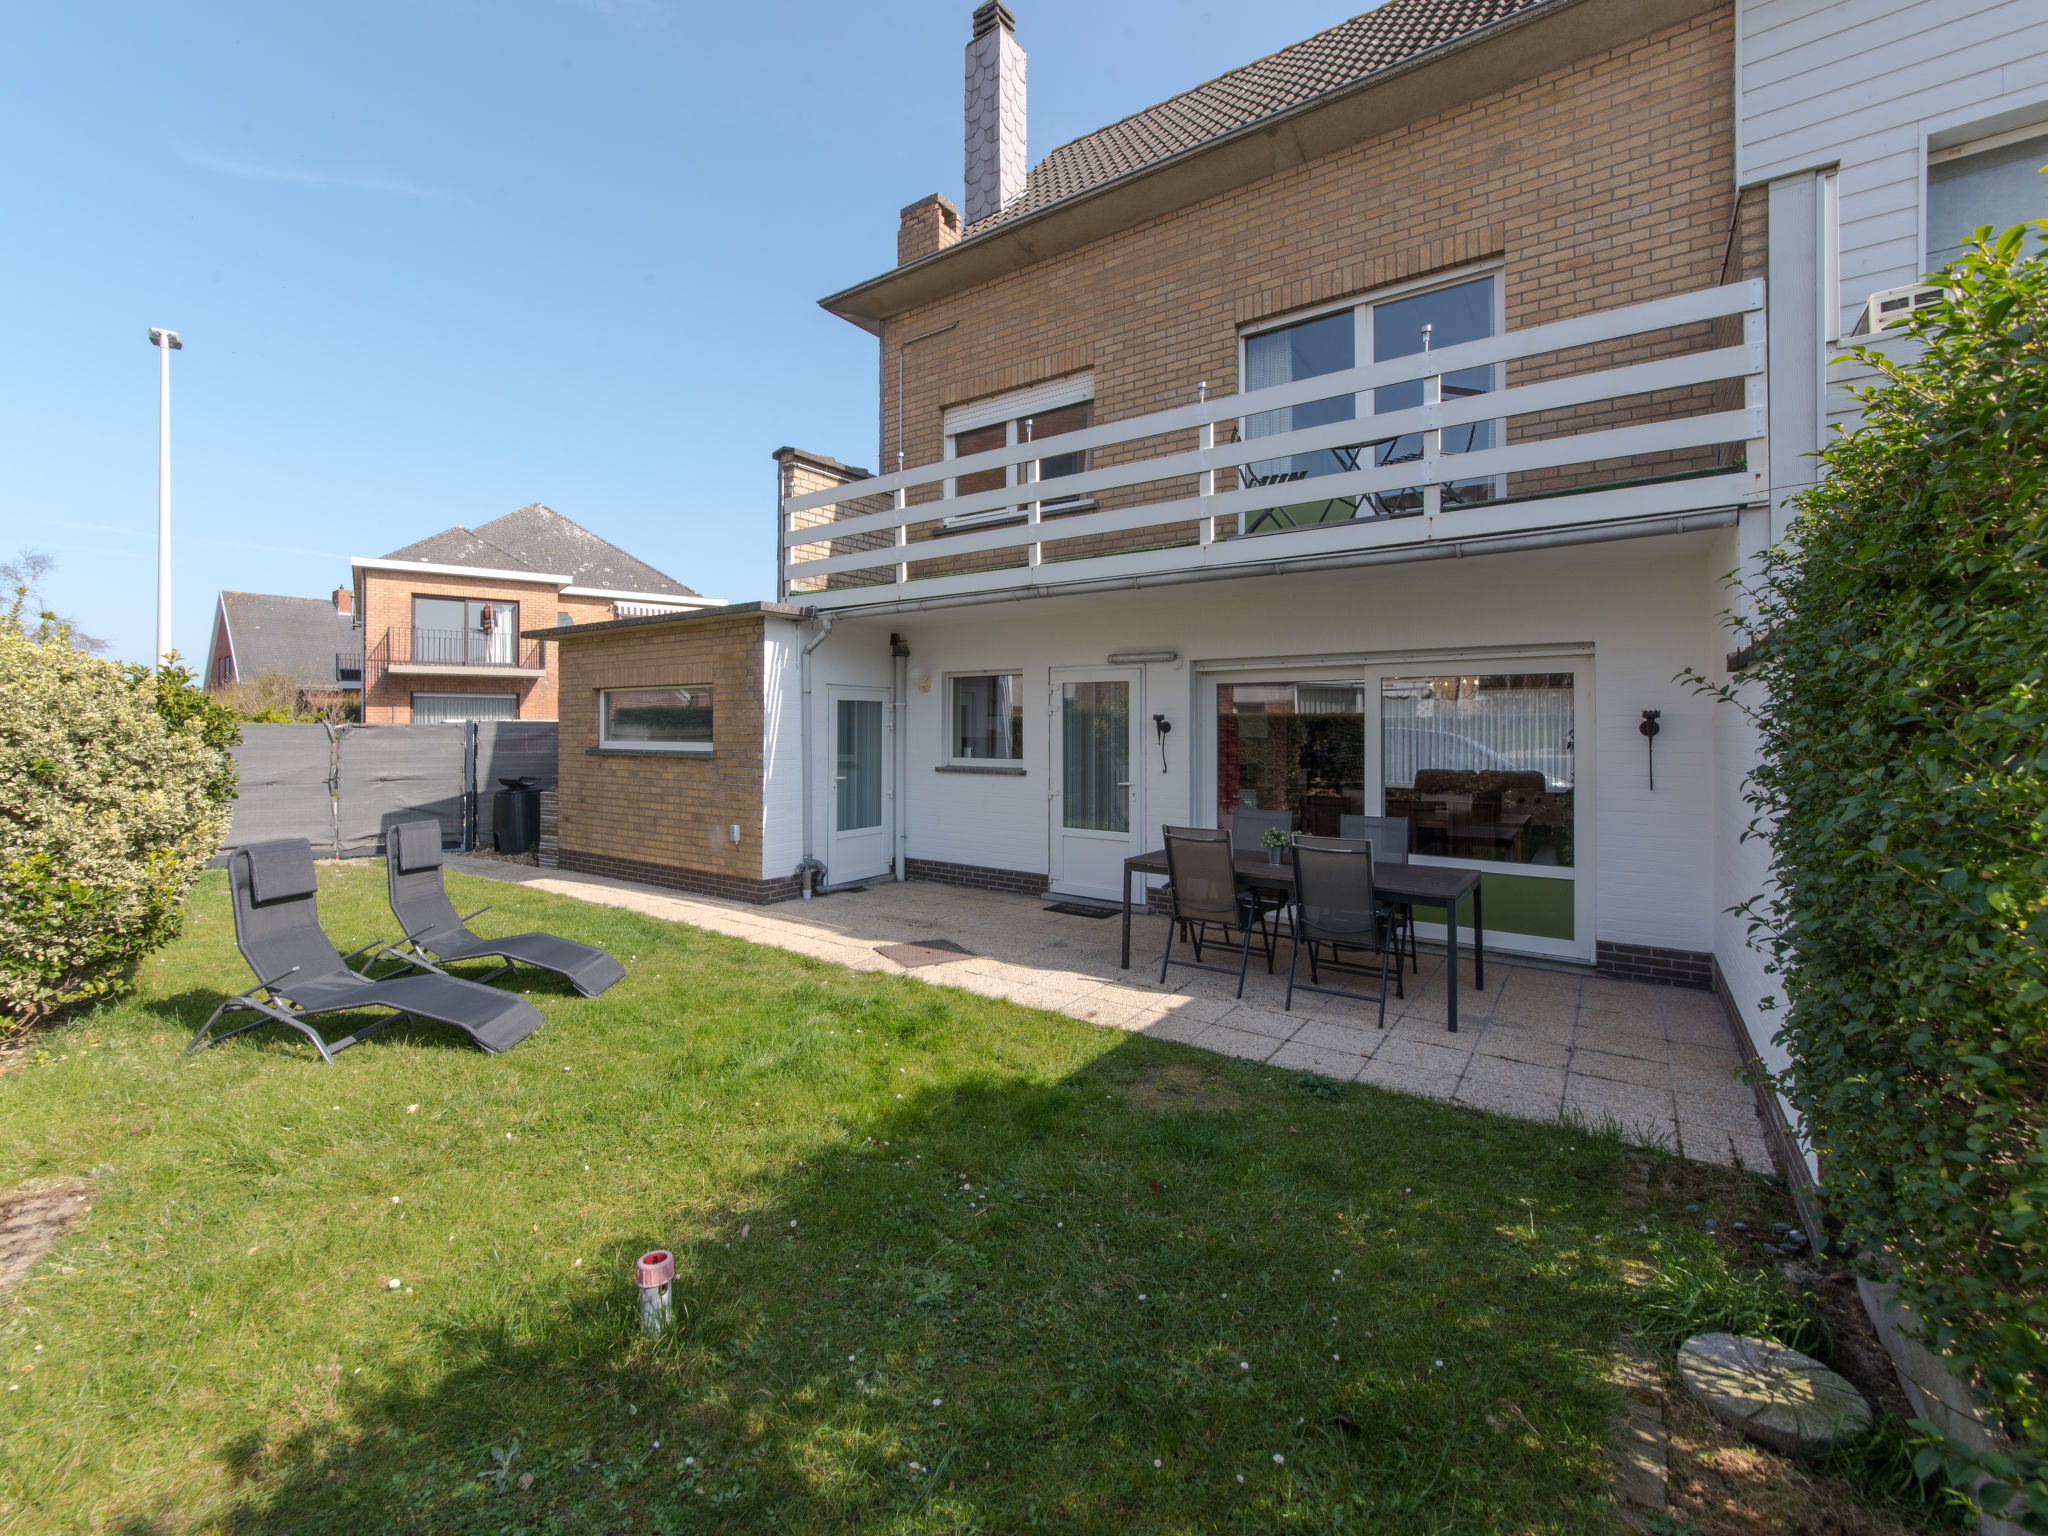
x=115 y=785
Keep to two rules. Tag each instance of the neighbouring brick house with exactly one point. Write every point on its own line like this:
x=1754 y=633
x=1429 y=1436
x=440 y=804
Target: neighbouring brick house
x=311 y=640
x=440 y=619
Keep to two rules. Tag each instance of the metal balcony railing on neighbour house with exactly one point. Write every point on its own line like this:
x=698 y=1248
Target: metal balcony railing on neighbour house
x=1626 y=421
x=348 y=666
x=406 y=649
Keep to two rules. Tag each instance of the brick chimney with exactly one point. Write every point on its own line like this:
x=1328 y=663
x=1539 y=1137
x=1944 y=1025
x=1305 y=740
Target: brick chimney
x=344 y=600
x=995 y=112
x=929 y=224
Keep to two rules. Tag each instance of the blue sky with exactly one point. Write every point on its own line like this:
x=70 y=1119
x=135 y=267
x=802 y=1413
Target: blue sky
x=436 y=260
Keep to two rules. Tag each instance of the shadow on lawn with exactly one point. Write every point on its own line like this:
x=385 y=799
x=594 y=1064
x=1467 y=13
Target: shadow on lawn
x=889 y=1336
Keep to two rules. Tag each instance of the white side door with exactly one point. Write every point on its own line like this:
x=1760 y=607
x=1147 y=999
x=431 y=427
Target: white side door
x=859 y=810
x=1097 y=818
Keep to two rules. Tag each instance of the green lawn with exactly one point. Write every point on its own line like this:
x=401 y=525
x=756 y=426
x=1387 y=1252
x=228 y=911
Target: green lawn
x=944 y=1264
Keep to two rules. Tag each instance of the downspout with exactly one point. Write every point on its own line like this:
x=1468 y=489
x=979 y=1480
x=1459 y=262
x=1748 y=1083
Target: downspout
x=899 y=764
x=809 y=869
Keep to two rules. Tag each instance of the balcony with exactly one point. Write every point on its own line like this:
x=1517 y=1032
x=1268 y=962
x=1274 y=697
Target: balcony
x=409 y=652
x=1645 y=419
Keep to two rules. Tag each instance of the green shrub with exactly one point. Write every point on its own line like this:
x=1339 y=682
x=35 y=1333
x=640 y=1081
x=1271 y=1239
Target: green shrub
x=1902 y=652
x=114 y=791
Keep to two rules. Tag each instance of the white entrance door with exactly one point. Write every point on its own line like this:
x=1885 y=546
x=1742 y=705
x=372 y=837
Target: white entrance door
x=1097 y=817
x=861 y=835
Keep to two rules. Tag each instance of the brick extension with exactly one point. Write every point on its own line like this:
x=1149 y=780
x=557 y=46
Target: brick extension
x=1692 y=969
x=667 y=820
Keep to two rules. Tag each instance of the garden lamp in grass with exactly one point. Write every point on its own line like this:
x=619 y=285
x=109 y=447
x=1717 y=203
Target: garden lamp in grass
x=657 y=1274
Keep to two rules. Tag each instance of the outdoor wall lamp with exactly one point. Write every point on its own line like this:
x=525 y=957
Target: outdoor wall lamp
x=921 y=679
x=1162 y=725
x=1650 y=728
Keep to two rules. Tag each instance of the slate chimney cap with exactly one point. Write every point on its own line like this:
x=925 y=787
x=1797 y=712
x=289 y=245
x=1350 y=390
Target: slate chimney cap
x=992 y=14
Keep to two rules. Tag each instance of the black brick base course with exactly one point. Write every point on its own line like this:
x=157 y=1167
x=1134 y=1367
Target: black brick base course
x=698 y=882
x=1689 y=968
x=1016 y=882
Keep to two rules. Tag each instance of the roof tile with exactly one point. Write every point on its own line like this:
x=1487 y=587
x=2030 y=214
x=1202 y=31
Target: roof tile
x=1342 y=56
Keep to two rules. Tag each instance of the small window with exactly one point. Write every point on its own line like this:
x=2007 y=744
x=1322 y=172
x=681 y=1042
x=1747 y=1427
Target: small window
x=986 y=719
x=656 y=719
x=454 y=708
x=564 y=620
x=1997 y=183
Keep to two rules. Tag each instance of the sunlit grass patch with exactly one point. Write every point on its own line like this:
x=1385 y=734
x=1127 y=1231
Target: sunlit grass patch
x=1069 y=1278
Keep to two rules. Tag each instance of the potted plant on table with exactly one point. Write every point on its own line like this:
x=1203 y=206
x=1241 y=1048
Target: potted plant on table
x=1276 y=841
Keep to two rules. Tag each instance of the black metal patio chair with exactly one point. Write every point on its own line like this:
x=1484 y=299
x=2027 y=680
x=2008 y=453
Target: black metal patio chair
x=1208 y=900
x=421 y=905
x=1389 y=838
x=301 y=975
x=1335 y=908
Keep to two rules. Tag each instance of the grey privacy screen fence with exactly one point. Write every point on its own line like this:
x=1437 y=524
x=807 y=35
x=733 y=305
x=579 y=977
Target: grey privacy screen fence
x=342 y=788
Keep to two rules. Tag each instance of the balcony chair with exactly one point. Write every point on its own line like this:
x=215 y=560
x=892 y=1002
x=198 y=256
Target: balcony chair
x=432 y=929
x=302 y=976
x=1335 y=908
x=1207 y=899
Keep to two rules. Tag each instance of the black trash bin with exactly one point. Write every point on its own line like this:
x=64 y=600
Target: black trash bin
x=515 y=815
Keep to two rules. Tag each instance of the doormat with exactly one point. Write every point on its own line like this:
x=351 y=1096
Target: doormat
x=924 y=952
x=1077 y=909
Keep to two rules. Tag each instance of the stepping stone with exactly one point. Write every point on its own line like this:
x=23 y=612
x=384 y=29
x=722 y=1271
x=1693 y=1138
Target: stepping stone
x=1777 y=1396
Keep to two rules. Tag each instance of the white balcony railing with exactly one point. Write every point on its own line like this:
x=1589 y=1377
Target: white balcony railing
x=1558 y=460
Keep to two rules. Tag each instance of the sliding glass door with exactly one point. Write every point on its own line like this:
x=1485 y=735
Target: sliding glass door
x=1481 y=764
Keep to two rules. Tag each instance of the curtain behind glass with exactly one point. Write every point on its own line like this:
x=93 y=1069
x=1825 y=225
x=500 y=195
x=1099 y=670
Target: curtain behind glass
x=1305 y=351
x=1482 y=766
x=1095 y=747
x=859 y=784
x=1999 y=187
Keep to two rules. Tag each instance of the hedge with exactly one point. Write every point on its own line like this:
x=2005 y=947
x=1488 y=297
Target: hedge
x=1901 y=651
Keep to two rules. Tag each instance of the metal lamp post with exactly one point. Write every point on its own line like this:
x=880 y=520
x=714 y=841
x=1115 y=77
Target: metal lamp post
x=167 y=342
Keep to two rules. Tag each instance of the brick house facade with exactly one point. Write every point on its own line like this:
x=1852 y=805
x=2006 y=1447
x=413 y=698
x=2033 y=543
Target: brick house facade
x=439 y=642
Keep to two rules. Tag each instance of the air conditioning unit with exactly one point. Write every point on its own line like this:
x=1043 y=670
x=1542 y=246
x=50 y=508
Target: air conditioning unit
x=1889 y=308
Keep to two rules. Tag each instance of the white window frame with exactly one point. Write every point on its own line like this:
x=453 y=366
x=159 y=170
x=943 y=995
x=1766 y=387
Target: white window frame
x=1368 y=671
x=2033 y=124
x=659 y=748
x=946 y=681
x=1009 y=408
x=1361 y=306
x=412 y=699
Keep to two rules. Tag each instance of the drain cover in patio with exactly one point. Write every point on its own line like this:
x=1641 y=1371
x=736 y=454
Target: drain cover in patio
x=1079 y=909
x=924 y=952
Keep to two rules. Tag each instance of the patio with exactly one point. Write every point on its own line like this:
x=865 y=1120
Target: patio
x=1536 y=1043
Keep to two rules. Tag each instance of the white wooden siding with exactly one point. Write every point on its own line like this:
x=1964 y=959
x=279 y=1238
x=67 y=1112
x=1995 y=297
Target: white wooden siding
x=1863 y=85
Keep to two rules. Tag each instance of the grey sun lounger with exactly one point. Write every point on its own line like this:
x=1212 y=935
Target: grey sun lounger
x=431 y=927
x=301 y=975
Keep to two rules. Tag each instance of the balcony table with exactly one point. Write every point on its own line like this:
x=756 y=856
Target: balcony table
x=1421 y=885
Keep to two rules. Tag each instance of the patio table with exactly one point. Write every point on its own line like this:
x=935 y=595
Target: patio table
x=1420 y=885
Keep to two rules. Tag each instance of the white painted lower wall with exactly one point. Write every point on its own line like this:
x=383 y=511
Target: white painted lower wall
x=1636 y=612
